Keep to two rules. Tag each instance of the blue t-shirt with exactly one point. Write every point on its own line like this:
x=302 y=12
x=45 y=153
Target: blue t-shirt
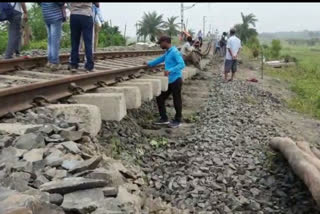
x=51 y=12
x=173 y=62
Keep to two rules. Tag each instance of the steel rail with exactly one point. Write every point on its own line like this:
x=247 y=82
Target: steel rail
x=22 y=97
x=32 y=62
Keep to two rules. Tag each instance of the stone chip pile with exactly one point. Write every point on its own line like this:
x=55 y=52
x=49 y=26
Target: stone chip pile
x=59 y=168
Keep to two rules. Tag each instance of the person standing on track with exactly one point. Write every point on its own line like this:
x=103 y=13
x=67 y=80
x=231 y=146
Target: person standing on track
x=53 y=16
x=98 y=21
x=81 y=22
x=173 y=69
x=199 y=35
x=217 y=49
x=233 y=49
x=14 y=28
x=223 y=43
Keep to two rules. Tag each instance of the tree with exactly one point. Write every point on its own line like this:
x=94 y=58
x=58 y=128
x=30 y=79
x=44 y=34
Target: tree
x=110 y=36
x=36 y=22
x=275 y=48
x=151 y=25
x=243 y=30
x=171 y=27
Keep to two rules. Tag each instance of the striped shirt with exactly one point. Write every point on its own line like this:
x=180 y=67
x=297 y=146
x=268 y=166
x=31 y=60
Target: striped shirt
x=51 y=12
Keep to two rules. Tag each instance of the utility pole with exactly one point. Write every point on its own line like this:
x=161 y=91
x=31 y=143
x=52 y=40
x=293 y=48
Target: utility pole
x=182 y=9
x=204 y=25
x=125 y=29
x=137 y=30
x=181 y=13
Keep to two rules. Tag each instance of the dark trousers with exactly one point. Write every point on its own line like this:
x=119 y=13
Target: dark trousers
x=14 y=35
x=80 y=24
x=174 y=89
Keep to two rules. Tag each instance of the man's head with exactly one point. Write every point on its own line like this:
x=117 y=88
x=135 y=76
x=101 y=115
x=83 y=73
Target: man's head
x=232 y=31
x=189 y=39
x=164 y=42
x=224 y=33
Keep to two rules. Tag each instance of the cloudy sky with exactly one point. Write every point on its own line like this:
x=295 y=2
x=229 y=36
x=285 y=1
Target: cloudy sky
x=272 y=17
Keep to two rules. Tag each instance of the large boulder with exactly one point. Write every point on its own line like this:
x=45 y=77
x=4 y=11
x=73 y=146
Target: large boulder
x=73 y=184
x=12 y=202
x=83 y=201
x=30 y=141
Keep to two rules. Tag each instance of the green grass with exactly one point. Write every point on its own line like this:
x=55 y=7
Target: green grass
x=304 y=79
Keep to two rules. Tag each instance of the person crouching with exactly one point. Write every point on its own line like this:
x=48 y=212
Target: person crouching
x=174 y=64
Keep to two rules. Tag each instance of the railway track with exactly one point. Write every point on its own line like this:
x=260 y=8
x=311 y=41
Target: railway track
x=25 y=83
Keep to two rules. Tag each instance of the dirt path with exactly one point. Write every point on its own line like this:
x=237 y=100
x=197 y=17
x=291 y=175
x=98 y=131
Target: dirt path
x=219 y=161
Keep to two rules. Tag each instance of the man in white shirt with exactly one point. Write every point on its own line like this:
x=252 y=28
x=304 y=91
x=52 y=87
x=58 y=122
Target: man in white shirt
x=187 y=48
x=233 y=49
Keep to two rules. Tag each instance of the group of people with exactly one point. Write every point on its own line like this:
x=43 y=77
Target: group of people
x=82 y=20
x=85 y=20
x=221 y=45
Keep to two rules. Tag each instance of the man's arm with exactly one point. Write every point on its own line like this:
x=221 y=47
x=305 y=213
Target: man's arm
x=99 y=15
x=180 y=63
x=25 y=12
x=156 y=61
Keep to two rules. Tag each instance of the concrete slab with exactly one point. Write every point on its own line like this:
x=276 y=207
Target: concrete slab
x=191 y=71
x=164 y=80
x=16 y=128
x=132 y=94
x=146 y=89
x=185 y=75
x=89 y=115
x=156 y=85
x=112 y=105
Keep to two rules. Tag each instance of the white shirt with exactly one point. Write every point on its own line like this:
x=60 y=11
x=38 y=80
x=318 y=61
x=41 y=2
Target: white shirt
x=234 y=43
x=17 y=7
x=186 y=48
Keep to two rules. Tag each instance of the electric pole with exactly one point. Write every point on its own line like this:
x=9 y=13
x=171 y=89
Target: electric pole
x=182 y=9
x=125 y=29
x=181 y=5
x=137 y=30
x=204 y=25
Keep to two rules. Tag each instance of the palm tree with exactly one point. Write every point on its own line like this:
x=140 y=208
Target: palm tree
x=243 y=30
x=150 y=25
x=171 y=26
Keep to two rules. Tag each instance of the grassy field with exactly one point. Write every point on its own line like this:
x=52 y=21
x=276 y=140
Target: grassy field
x=304 y=79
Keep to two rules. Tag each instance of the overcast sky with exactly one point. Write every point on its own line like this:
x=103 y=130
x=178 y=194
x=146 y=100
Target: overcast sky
x=272 y=17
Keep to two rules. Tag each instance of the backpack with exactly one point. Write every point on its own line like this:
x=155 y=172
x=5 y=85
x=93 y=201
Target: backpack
x=6 y=10
x=222 y=42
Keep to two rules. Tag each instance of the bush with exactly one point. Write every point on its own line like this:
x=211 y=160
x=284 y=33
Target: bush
x=288 y=58
x=110 y=36
x=275 y=48
x=37 y=23
x=254 y=45
x=65 y=35
x=3 y=38
x=43 y=44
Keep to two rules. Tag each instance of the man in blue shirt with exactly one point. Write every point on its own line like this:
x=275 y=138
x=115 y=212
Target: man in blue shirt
x=174 y=65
